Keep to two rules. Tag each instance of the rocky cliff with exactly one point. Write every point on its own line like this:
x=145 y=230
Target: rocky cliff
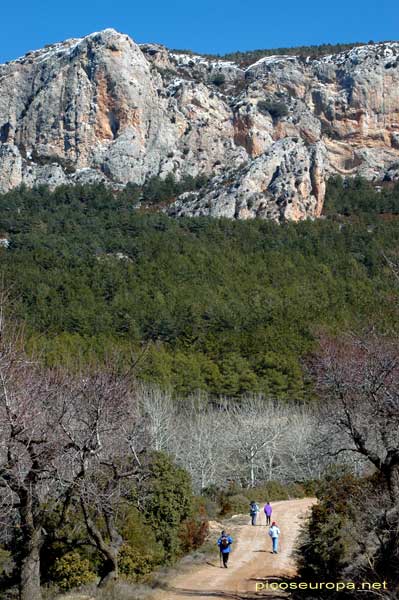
x=103 y=108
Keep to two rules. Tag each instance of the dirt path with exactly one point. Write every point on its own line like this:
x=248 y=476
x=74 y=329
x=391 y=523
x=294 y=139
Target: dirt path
x=251 y=561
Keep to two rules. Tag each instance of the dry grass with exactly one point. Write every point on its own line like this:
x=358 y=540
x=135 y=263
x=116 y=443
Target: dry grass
x=118 y=591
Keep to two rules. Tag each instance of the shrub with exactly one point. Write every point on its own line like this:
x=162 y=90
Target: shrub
x=355 y=197
x=134 y=531
x=274 y=491
x=193 y=534
x=236 y=500
x=275 y=109
x=158 y=189
x=133 y=564
x=218 y=79
x=206 y=504
x=327 y=542
x=169 y=502
x=235 y=504
x=194 y=531
x=6 y=562
x=71 y=571
x=139 y=537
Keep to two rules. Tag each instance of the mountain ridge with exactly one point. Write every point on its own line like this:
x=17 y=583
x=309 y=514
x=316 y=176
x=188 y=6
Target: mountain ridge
x=103 y=108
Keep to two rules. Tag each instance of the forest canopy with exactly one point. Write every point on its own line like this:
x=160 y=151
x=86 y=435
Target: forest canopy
x=227 y=307
x=246 y=58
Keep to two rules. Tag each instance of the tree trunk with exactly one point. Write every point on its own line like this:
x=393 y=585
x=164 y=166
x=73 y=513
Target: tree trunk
x=111 y=569
x=30 y=570
x=252 y=471
x=109 y=550
x=393 y=484
x=32 y=543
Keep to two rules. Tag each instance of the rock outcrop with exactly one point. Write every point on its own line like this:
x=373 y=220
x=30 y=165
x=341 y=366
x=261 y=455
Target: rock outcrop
x=103 y=108
x=284 y=183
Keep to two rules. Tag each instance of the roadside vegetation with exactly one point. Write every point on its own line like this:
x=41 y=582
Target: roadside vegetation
x=352 y=535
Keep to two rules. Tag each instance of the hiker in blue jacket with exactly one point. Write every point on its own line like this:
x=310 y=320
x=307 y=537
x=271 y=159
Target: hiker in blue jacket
x=253 y=511
x=224 y=543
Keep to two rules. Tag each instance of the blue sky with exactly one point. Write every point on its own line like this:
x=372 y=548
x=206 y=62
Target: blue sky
x=216 y=26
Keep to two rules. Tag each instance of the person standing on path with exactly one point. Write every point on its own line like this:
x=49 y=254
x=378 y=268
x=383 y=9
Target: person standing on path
x=274 y=533
x=253 y=511
x=224 y=543
x=268 y=512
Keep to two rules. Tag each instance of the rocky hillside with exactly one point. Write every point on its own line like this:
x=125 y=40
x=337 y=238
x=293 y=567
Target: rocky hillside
x=103 y=108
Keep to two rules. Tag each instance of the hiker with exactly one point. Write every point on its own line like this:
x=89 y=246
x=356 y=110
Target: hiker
x=274 y=533
x=253 y=511
x=268 y=512
x=224 y=543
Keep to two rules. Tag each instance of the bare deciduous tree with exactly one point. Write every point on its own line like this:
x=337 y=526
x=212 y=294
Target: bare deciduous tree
x=32 y=450
x=301 y=458
x=108 y=440
x=360 y=378
x=253 y=441
x=201 y=444
x=64 y=441
x=255 y=429
x=159 y=411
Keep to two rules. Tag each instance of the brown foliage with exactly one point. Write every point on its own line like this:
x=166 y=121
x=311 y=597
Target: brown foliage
x=360 y=379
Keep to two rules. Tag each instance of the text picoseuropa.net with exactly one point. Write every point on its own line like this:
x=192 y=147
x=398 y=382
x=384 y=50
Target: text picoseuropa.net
x=320 y=585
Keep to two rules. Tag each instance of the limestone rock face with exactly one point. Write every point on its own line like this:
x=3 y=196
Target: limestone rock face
x=354 y=96
x=102 y=108
x=284 y=183
x=85 y=103
x=10 y=167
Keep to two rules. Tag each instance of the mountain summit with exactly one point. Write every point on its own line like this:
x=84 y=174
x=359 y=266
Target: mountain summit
x=102 y=108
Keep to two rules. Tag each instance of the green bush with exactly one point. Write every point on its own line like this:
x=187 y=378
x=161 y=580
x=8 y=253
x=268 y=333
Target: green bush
x=244 y=59
x=249 y=57
x=234 y=504
x=133 y=564
x=136 y=532
x=207 y=504
x=6 y=562
x=218 y=79
x=236 y=500
x=327 y=541
x=169 y=502
x=62 y=540
x=274 y=491
x=164 y=189
x=275 y=109
x=355 y=197
x=71 y=571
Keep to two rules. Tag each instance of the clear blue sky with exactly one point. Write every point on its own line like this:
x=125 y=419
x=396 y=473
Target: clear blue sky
x=216 y=26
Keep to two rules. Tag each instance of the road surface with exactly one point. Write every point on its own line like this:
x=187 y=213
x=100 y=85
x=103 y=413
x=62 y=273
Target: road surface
x=250 y=562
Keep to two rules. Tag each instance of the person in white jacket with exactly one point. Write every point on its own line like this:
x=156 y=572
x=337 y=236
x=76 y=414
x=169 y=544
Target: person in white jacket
x=274 y=533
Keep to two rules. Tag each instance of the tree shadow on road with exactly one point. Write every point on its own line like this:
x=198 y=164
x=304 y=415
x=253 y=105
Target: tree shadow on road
x=222 y=594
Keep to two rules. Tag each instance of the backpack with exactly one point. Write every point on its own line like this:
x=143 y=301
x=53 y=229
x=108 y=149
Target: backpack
x=253 y=509
x=224 y=542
